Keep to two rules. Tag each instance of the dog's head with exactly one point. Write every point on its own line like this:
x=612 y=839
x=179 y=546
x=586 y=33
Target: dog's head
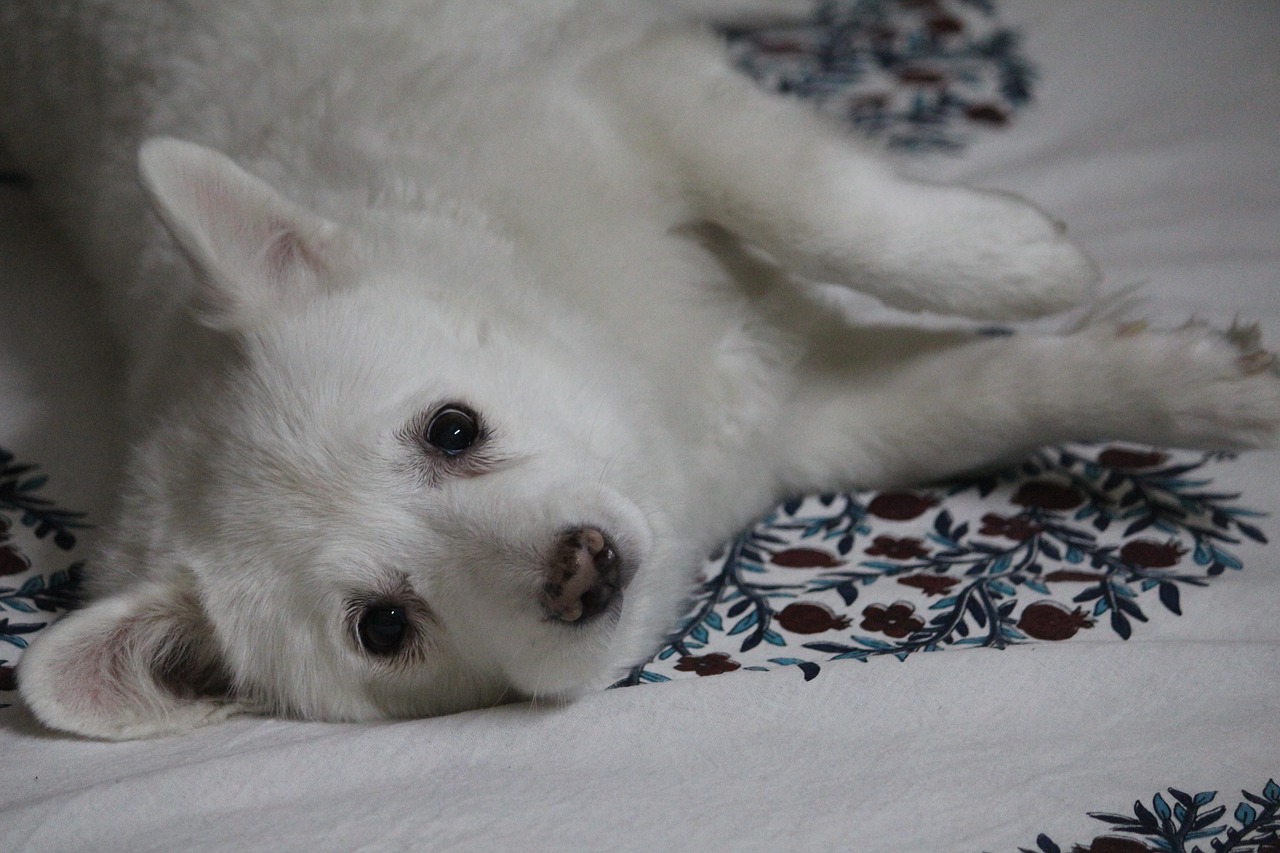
x=407 y=492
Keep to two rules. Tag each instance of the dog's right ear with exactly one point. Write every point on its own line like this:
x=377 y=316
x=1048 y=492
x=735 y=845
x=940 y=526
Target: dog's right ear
x=254 y=249
x=138 y=664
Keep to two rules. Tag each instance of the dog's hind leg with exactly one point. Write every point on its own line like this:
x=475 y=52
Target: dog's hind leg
x=781 y=176
x=884 y=407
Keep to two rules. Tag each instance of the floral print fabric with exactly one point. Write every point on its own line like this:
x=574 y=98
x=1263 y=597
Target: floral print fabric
x=1077 y=541
x=1185 y=825
x=922 y=76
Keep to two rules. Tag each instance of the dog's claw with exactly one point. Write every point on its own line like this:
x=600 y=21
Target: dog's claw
x=1256 y=362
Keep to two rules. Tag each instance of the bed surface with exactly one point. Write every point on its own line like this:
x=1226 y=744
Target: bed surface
x=1082 y=647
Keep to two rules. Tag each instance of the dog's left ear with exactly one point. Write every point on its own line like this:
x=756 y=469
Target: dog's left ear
x=254 y=249
x=141 y=663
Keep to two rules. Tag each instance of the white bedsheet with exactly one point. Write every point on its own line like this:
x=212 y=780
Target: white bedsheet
x=1155 y=134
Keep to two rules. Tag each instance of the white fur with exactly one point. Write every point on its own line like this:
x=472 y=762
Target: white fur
x=572 y=218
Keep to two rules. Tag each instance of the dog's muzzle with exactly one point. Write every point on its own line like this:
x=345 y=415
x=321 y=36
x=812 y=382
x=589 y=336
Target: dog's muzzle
x=585 y=574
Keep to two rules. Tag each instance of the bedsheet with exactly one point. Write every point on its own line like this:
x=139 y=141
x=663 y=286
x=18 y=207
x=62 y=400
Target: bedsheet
x=1080 y=652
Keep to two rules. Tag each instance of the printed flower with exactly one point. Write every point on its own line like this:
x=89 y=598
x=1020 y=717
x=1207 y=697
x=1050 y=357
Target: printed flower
x=7 y=680
x=900 y=506
x=805 y=558
x=802 y=617
x=944 y=24
x=1113 y=844
x=1118 y=457
x=1049 y=620
x=1147 y=554
x=715 y=663
x=1015 y=528
x=918 y=75
x=871 y=102
x=11 y=562
x=897 y=549
x=931 y=584
x=1047 y=495
x=897 y=620
x=989 y=114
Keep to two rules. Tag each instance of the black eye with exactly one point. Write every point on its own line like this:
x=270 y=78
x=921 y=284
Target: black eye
x=452 y=431
x=382 y=629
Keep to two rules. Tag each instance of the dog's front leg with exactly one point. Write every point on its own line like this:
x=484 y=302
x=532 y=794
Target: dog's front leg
x=885 y=407
x=781 y=176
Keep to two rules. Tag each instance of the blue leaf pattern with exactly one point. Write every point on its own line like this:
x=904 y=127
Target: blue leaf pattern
x=1257 y=828
x=1031 y=554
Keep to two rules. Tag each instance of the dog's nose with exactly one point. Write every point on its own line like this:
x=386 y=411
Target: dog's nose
x=583 y=575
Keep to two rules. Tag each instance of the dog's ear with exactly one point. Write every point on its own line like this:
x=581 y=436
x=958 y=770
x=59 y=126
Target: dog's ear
x=254 y=248
x=138 y=664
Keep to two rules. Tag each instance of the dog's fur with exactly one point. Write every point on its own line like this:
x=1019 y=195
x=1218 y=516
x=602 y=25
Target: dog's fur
x=568 y=217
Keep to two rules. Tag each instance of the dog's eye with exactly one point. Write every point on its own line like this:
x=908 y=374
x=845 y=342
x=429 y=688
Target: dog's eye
x=383 y=629
x=452 y=431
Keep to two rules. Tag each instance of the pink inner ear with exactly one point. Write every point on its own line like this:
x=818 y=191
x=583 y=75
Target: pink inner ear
x=287 y=254
x=141 y=666
x=100 y=671
x=252 y=247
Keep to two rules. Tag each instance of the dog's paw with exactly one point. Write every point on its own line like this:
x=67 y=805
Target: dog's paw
x=1207 y=388
x=986 y=255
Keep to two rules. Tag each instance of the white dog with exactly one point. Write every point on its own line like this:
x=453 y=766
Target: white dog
x=466 y=327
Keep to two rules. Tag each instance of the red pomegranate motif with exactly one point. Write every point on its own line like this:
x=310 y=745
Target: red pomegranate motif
x=896 y=620
x=802 y=617
x=869 y=103
x=907 y=548
x=944 y=25
x=900 y=506
x=1118 y=457
x=1049 y=620
x=715 y=663
x=1015 y=528
x=931 y=584
x=916 y=75
x=805 y=558
x=1148 y=554
x=1047 y=495
x=988 y=114
x=11 y=562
